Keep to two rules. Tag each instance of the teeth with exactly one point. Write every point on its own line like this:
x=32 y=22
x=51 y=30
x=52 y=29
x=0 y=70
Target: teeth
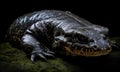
x=101 y=48
x=75 y=48
x=91 y=52
x=88 y=51
x=76 y=51
x=94 y=48
x=82 y=50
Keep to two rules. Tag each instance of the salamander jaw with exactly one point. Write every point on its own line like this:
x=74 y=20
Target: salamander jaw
x=87 y=51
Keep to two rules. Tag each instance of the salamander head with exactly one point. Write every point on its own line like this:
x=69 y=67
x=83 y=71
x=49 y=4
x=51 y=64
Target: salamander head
x=87 y=44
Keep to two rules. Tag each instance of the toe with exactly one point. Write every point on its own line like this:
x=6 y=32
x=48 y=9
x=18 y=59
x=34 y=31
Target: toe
x=43 y=57
x=50 y=52
x=32 y=57
x=47 y=54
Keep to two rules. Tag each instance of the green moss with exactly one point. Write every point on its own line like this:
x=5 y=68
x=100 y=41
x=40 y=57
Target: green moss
x=13 y=57
x=15 y=60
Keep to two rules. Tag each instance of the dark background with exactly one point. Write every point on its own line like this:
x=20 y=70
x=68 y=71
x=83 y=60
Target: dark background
x=102 y=13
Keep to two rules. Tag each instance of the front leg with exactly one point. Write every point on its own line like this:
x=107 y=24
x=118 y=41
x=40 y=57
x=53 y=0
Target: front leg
x=28 y=41
x=114 y=45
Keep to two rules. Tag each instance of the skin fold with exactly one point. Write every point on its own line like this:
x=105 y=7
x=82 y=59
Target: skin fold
x=44 y=33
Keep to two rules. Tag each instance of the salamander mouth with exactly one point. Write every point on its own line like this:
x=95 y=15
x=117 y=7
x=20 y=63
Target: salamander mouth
x=89 y=52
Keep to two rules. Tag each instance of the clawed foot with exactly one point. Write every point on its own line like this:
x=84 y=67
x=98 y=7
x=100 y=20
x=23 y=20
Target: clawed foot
x=115 y=45
x=41 y=54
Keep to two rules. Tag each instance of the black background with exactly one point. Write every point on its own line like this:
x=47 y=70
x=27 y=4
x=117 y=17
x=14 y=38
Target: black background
x=102 y=13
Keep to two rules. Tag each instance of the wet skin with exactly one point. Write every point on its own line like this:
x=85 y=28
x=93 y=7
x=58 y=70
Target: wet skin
x=47 y=32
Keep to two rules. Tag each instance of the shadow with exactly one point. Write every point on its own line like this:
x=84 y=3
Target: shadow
x=95 y=64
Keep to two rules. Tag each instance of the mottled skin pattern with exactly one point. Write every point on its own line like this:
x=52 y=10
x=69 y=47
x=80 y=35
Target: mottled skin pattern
x=46 y=32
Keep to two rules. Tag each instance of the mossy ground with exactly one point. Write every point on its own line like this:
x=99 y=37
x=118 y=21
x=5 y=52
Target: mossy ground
x=15 y=60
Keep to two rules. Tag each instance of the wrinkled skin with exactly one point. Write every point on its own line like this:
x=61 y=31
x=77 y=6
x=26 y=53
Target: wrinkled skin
x=47 y=32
